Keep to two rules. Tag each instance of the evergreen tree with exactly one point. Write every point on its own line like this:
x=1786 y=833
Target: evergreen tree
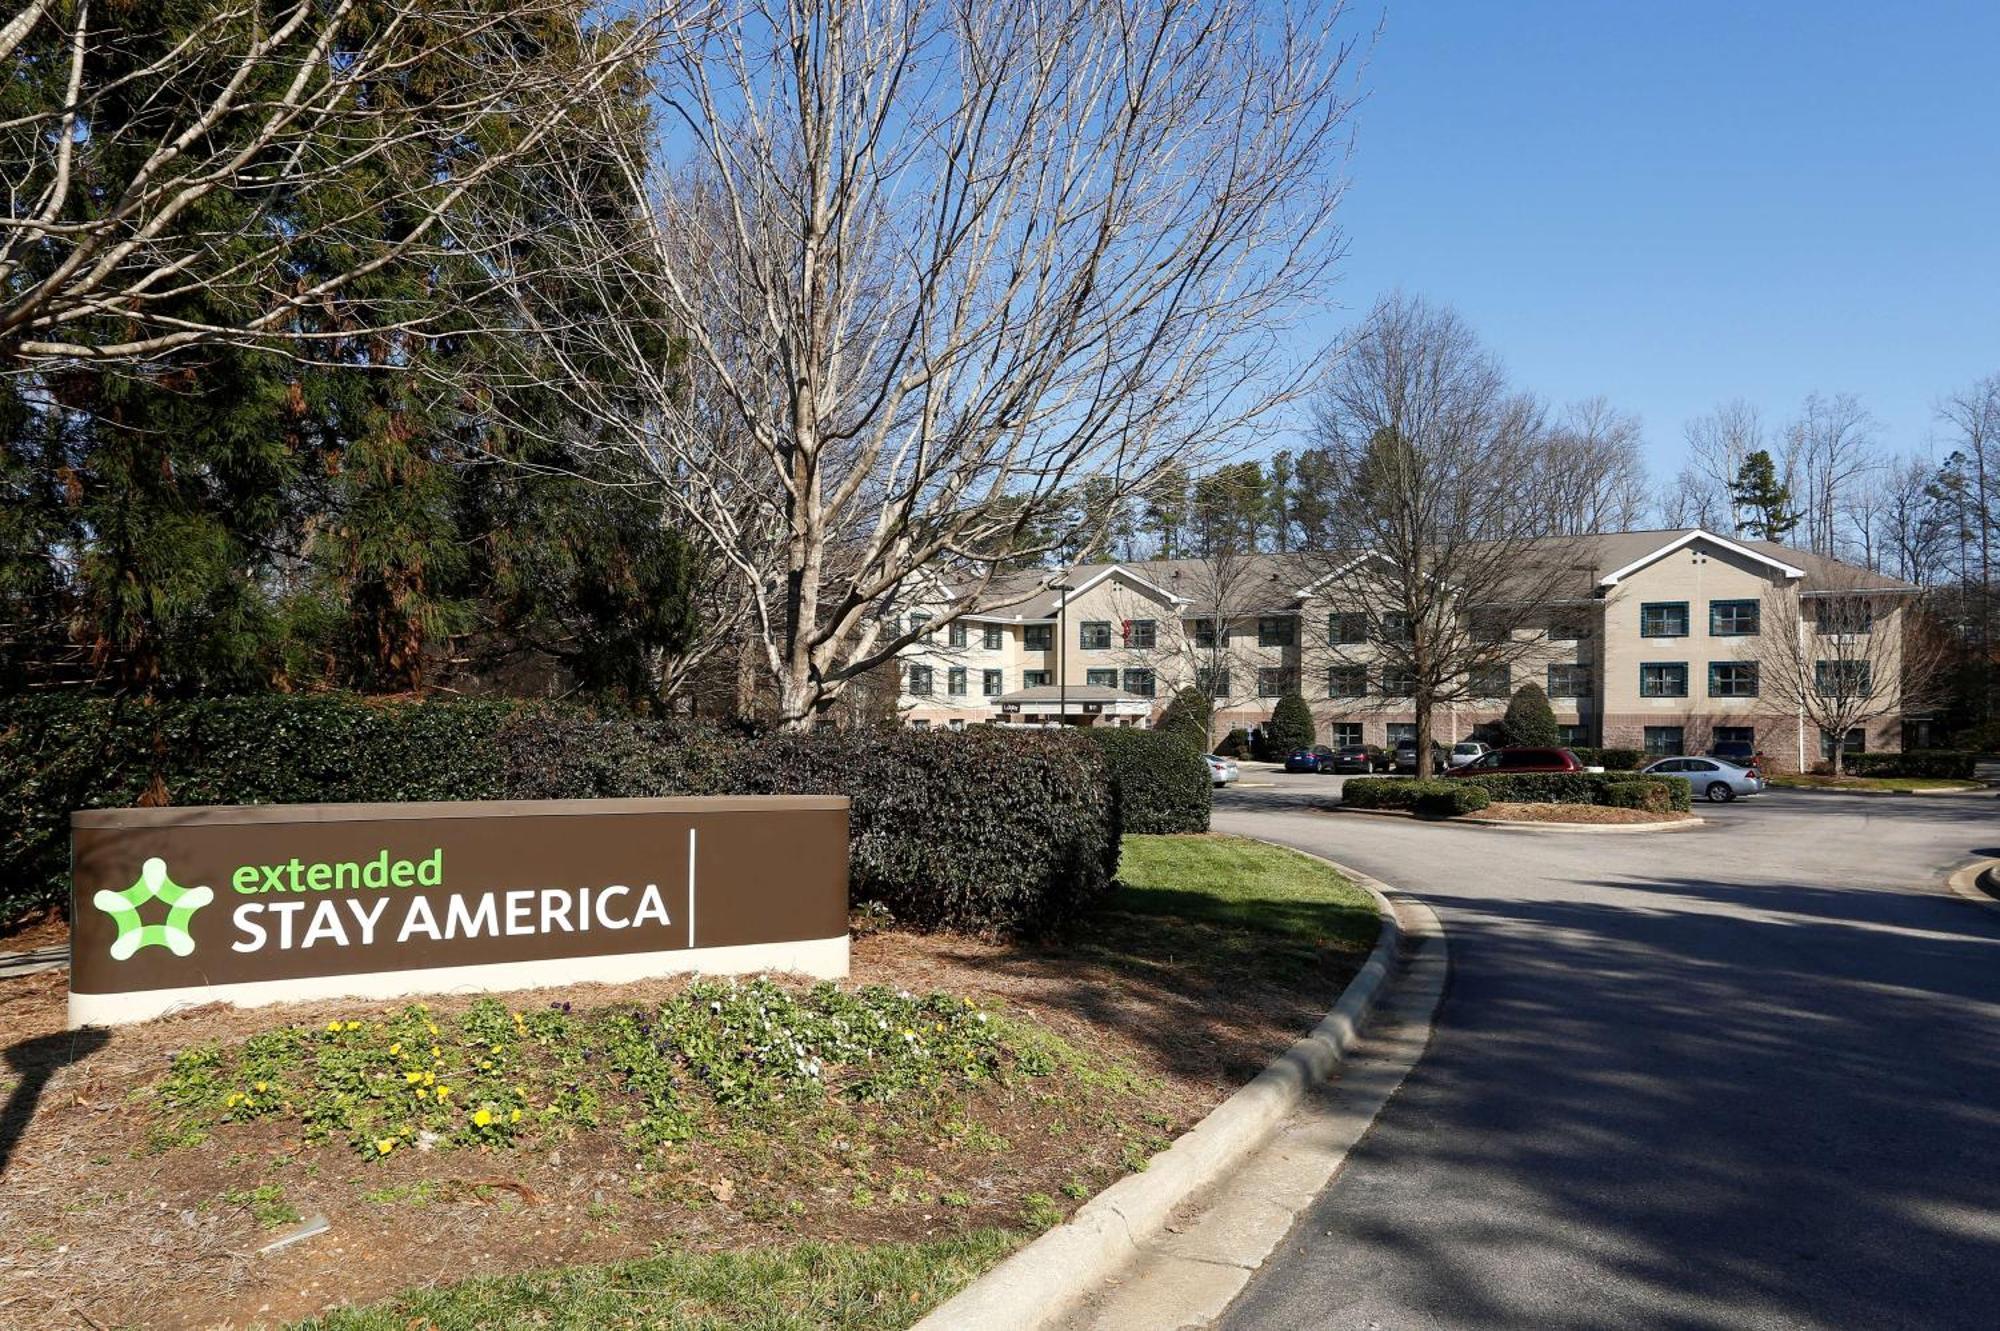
x=1291 y=726
x=1767 y=500
x=1188 y=715
x=1529 y=720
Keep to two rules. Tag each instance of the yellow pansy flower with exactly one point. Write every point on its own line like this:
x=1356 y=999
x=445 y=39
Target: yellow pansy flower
x=396 y=1048
x=514 y=1117
x=263 y=1086
x=413 y=1077
x=385 y=1145
x=482 y=1118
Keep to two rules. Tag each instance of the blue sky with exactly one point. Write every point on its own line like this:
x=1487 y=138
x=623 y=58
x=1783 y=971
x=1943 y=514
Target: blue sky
x=1676 y=204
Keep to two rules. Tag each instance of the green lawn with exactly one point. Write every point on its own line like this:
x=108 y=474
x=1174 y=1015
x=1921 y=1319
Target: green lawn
x=1890 y=783
x=810 y=1287
x=1244 y=885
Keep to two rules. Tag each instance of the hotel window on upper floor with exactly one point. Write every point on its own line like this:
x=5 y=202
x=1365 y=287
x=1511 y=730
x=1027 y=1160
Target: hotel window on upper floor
x=1094 y=635
x=1568 y=627
x=1844 y=615
x=1276 y=681
x=1346 y=628
x=1490 y=682
x=994 y=638
x=1347 y=681
x=1141 y=634
x=992 y=683
x=955 y=634
x=954 y=682
x=1038 y=637
x=920 y=681
x=1398 y=682
x=1037 y=679
x=1733 y=619
x=1139 y=682
x=1101 y=679
x=1663 y=679
x=1207 y=632
x=918 y=624
x=1212 y=680
x=1569 y=681
x=1395 y=627
x=1663 y=619
x=1277 y=630
x=1732 y=679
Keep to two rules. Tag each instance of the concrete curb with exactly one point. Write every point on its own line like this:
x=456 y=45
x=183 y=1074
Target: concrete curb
x=1473 y=820
x=1042 y=1282
x=1978 y=881
x=1984 y=793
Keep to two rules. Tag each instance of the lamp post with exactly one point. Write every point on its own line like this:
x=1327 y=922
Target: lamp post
x=1062 y=653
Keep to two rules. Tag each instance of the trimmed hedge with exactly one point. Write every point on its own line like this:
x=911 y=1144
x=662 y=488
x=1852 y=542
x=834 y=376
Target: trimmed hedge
x=1612 y=760
x=1575 y=787
x=1651 y=794
x=982 y=829
x=1434 y=798
x=1948 y=764
x=1160 y=781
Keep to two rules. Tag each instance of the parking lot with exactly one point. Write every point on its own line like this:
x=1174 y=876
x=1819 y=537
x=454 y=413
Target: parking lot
x=1269 y=786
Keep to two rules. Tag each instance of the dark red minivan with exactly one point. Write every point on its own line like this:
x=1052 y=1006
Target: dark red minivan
x=1520 y=760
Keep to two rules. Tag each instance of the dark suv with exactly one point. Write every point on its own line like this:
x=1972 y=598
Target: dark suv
x=1520 y=760
x=1406 y=756
x=1361 y=758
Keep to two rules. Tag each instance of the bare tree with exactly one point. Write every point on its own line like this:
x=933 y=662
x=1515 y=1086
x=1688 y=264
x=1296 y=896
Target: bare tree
x=241 y=177
x=1717 y=445
x=1444 y=482
x=1597 y=470
x=1974 y=415
x=1694 y=499
x=1915 y=537
x=1827 y=451
x=1846 y=654
x=938 y=262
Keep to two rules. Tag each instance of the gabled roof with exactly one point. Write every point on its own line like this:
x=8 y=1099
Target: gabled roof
x=1689 y=537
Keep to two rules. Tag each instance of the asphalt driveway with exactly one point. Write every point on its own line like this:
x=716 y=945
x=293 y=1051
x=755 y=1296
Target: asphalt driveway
x=1741 y=1076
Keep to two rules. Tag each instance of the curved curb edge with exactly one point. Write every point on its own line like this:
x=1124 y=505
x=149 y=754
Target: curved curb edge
x=1045 y=1280
x=1978 y=881
x=1687 y=824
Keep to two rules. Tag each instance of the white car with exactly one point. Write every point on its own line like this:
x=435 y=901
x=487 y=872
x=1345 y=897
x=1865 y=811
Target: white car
x=1221 y=771
x=1469 y=751
x=1716 y=780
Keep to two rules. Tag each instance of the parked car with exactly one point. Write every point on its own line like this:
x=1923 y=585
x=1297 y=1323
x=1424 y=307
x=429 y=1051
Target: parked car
x=1740 y=752
x=1502 y=761
x=1221 y=770
x=1716 y=780
x=1466 y=751
x=1361 y=758
x=1406 y=756
x=1308 y=760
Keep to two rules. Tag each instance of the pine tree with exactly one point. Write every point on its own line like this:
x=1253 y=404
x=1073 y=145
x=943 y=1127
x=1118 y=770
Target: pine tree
x=1189 y=715
x=1290 y=727
x=1529 y=720
x=1767 y=499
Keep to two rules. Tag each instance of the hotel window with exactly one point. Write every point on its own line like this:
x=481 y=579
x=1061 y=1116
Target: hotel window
x=1398 y=731
x=1276 y=631
x=1845 y=614
x=1346 y=733
x=955 y=635
x=1276 y=682
x=1570 y=736
x=1395 y=628
x=1038 y=637
x=1732 y=679
x=991 y=683
x=1490 y=682
x=1205 y=632
x=1736 y=735
x=1569 y=681
x=1212 y=680
x=1140 y=633
x=1486 y=626
x=920 y=681
x=918 y=620
x=1855 y=742
x=954 y=681
x=1568 y=628
x=1398 y=682
x=1664 y=741
x=1094 y=635
x=994 y=639
x=1347 y=682
x=1346 y=629
x=1036 y=679
x=1733 y=619
x=1663 y=619
x=1101 y=679
x=1139 y=682
x=1842 y=679
x=1663 y=679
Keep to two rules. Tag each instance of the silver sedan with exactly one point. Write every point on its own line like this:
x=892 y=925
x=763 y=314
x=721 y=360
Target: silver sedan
x=1715 y=779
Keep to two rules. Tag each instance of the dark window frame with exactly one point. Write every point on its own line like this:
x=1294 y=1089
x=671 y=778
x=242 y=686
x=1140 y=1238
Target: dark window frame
x=1717 y=610
x=1555 y=690
x=1346 y=628
x=1093 y=635
x=1093 y=679
x=1679 y=750
x=1681 y=666
x=1715 y=669
x=1359 y=674
x=1277 y=631
x=1285 y=674
x=1145 y=675
x=1645 y=607
x=1038 y=637
x=992 y=683
x=955 y=682
x=920 y=682
x=1142 y=634
x=994 y=638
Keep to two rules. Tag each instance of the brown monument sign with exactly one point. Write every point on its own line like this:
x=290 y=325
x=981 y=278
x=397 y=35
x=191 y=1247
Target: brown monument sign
x=267 y=903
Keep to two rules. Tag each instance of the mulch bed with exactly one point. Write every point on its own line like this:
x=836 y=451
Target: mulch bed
x=1509 y=811
x=96 y=1228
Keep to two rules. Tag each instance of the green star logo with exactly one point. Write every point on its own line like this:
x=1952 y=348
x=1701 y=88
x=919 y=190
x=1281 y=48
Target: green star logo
x=133 y=933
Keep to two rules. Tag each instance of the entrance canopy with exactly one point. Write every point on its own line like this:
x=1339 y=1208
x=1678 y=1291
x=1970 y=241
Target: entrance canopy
x=1079 y=704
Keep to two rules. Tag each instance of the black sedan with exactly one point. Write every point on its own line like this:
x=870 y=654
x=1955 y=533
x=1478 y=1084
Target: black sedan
x=1361 y=758
x=1309 y=760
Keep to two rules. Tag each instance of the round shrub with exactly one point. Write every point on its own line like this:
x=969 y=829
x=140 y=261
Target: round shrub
x=1236 y=744
x=1449 y=799
x=1652 y=796
x=1529 y=720
x=1189 y=715
x=1290 y=727
x=1159 y=783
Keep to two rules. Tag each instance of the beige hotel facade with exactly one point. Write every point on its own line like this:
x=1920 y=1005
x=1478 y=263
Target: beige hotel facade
x=1651 y=643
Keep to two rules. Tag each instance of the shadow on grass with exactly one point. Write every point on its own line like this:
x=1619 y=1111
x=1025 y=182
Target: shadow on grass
x=35 y=1062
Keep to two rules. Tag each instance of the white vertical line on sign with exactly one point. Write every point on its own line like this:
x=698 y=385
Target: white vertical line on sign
x=690 y=887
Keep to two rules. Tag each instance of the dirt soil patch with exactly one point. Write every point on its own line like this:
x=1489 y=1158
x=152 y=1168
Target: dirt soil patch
x=106 y=1219
x=1509 y=811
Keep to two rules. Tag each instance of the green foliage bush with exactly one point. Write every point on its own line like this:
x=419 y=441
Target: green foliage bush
x=1651 y=794
x=1236 y=744
x=1572 y=787
x=1947 y=764
x=1529 y=720
x=1290 y=727
x=1437 y=797
x=927 y=839
x=1161 y=785
x=1188 y=715
x=1612 y=760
